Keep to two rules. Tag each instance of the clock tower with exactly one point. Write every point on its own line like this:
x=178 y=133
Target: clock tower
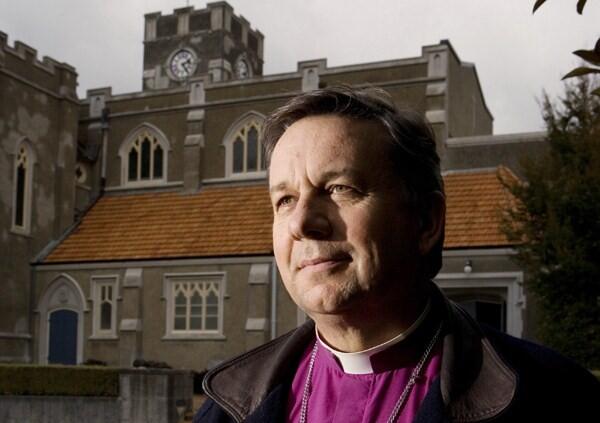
x=190 y=43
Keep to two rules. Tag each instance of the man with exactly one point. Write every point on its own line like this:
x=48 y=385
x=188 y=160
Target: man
x=358 y=230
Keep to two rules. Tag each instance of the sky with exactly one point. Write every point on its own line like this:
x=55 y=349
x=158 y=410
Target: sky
x=517 y=55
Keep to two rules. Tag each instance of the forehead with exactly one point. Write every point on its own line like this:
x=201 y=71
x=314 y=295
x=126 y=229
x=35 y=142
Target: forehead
x=328 y=140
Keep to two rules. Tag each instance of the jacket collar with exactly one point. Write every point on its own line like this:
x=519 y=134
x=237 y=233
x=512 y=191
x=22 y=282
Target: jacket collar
x=476 y=383
x=262 y=369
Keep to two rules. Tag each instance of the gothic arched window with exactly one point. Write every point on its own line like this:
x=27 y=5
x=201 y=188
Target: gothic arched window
x=144 y=157
x=244 y=155
x=22 y=187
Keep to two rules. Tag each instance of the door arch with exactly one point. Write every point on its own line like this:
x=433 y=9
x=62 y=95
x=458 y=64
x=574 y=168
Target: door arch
x=61 y=313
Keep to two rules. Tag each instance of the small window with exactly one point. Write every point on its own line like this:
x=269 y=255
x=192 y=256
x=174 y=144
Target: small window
x=244 y=151
x=252 y=142
x=166 y=26
x=236 y=29
x=20 y=206
x=145 y=173
x=199 y=21
x=238 y=155
x=133 y=164
x=22 y=186
x=144 y=157
x=104 y=291
x=157 y=171
x=194 y=305
x=253 y=42
x=106 y=308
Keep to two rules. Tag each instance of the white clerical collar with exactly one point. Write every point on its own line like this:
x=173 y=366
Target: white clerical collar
x=359 y=363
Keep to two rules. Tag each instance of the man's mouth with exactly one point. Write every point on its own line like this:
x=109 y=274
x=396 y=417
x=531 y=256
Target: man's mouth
x=324 y=262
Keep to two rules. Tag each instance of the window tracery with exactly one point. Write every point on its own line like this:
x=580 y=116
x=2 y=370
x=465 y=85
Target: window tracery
x=144 y=157
x=244 y=153
x=194 y=305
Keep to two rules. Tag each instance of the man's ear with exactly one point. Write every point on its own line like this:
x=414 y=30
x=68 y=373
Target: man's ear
x=432 y=221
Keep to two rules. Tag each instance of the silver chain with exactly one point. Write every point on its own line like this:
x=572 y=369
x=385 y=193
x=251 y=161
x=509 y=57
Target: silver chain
x=416 y=373
x=307 y=384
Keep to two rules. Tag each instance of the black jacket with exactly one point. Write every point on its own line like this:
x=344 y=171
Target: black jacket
x=485 y=376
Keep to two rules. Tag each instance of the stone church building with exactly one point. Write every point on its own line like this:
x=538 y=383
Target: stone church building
x=138 y=225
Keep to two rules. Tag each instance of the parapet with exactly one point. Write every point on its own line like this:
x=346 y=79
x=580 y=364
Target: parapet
x=22 y=61
x=214 y=17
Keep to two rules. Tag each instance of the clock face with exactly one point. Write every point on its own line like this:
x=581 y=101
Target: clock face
x=183 y=64
x=241 y=69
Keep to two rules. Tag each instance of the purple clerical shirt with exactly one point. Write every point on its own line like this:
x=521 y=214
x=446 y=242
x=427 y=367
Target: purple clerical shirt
x=340 y=397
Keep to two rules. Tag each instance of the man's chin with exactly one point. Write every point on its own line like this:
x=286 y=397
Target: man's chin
x=326 y=304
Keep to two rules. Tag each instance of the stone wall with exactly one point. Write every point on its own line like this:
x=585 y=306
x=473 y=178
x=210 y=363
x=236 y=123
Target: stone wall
x=46 y=409
x=38 y=113
x=146 y=396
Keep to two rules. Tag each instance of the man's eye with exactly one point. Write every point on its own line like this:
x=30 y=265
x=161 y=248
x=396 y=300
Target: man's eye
x=284 y=201
x=340 y=189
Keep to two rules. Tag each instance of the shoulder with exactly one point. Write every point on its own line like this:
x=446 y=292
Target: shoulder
x=528 y=356
x=272 y=408
x=546 y=378
x=210 y=412
x=241 y=385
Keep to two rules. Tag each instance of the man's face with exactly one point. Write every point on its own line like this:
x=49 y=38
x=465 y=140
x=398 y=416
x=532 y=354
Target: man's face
x=343 y=234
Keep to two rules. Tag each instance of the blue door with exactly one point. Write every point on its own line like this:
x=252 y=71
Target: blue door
x=62 y=348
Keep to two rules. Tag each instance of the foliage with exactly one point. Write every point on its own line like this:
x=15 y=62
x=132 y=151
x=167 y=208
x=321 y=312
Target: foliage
x=556 y=224
x=590 y=56
x=24 y=379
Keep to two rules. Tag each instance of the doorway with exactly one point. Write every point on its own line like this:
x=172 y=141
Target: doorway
x=61 y=313
x=62 y=337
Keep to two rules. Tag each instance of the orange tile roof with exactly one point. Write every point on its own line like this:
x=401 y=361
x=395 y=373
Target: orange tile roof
x=233 y=221
x=221 y=221
x=474 y=204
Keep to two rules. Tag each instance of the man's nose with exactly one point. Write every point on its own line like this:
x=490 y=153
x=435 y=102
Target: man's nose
x=310 y=220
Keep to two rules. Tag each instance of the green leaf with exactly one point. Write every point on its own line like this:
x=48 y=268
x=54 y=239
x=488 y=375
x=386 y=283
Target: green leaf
x=537 y=4
x=580 y=6
x=580 y=72
x=589 y=56
x=554 y=226
x=596 y=92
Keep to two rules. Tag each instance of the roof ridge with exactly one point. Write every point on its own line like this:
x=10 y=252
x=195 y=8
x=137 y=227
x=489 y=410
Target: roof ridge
x=477 y=170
